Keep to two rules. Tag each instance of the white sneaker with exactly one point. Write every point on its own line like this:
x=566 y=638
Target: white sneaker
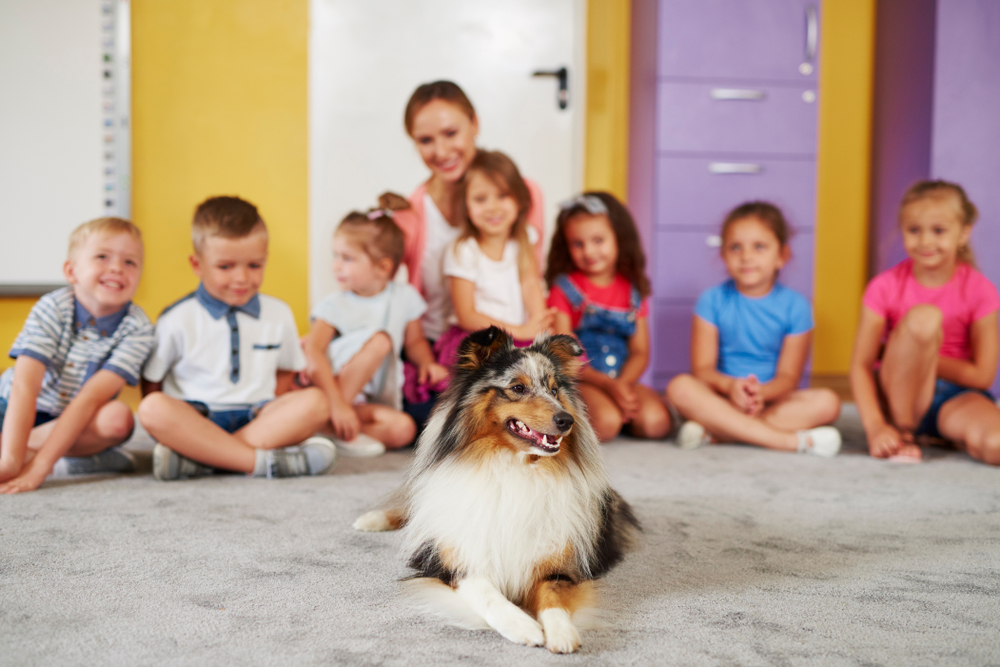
x=692 y=435
x=362 y=447
x=820 y=441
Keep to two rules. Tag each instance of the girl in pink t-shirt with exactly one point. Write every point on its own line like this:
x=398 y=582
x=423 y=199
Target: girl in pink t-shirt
x=927 y=345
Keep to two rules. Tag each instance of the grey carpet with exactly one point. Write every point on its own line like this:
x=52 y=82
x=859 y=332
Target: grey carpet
x=751 y=558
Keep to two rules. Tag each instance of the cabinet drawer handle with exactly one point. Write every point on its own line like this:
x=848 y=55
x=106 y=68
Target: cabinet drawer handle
x=734 y=168
x=737 y=94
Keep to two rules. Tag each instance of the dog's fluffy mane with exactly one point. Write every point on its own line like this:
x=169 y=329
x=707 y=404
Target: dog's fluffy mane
x=475 y=507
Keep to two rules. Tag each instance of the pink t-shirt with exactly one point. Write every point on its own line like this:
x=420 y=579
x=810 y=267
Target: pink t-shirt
x=617 y=295
x=967 y=297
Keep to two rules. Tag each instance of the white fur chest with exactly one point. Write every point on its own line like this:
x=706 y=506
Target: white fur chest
x=501 y=518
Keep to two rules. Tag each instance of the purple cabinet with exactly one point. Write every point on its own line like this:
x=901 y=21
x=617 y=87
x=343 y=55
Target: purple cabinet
x=735 y=121
x=744 y=39
x=937 y=105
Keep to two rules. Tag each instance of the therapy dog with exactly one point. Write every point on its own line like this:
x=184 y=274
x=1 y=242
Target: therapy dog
x=507 y=512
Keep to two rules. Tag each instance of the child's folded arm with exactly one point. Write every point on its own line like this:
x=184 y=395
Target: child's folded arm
x=343 y=418
x=705 y=357
x=791 y=364
x=883 y=438
x=638 y=353
x=980 y=371
x=29 y=374
x=94 y=394
x=419 y=352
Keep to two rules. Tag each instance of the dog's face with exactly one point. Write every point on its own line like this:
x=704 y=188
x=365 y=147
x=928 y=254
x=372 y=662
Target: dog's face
x=524 y=398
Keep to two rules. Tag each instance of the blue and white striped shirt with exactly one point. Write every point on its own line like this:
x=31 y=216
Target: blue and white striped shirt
x=74 y=345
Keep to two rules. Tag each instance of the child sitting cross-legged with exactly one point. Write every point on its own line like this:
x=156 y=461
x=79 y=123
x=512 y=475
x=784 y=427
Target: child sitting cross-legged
x=353 y=349
x=80 y=345
x=750 y=341
x=224 y=357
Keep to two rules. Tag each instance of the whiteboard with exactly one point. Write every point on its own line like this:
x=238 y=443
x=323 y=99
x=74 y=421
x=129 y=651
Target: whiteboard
x=64 y=130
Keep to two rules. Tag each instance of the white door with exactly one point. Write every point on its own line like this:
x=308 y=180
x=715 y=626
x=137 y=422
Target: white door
x=366 y=58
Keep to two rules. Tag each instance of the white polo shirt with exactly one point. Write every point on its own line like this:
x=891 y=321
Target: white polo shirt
x=223 y=356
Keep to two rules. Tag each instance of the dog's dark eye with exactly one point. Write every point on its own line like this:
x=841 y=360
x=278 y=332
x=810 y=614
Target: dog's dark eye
x=555 y=390
x=519 y=389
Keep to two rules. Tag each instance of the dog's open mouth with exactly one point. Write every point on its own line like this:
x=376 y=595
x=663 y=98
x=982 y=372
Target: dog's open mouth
x=547 y=443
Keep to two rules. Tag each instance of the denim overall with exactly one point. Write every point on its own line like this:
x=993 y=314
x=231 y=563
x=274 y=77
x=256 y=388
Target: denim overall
x=603 y=332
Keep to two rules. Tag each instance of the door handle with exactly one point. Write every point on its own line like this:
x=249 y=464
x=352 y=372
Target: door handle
x=734 y=168
x=562 y=77
x=737 y=94
x=812 y=38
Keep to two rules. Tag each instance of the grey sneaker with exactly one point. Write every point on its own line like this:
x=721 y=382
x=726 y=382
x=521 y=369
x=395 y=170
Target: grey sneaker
x=169 y=465
x=110 y=460
x=313 y=456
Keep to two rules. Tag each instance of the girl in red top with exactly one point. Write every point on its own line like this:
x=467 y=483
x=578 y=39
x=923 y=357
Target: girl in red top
x=597 y=279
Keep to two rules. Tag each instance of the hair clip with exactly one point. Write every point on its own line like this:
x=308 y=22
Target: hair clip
x=591 y=203
x=378 y=213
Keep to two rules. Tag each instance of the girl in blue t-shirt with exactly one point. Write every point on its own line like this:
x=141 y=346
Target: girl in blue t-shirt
x=750 y=340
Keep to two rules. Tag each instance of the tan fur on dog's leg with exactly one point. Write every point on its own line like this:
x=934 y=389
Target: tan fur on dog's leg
x=380 y=520
x=554 y=603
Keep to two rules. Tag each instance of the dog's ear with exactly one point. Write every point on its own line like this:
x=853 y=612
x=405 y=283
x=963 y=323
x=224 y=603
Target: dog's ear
x=480 y=345
x=566 y=351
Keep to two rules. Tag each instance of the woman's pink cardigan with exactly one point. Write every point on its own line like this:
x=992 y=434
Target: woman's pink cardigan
x=413 y=222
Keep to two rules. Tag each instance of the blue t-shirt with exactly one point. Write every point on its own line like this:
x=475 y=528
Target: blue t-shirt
x=752 y=330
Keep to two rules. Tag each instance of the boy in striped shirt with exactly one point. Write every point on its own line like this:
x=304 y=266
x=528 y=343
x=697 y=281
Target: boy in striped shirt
x=79 y=346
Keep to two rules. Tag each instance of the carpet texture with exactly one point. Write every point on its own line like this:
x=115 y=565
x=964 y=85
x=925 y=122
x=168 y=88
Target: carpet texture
x=750 y=558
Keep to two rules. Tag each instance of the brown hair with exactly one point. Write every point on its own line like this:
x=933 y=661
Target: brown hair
x=502 y=171
x=769 y=214
x=226 y=217
x=80 y=235
x=375 y=232
x=967 y=212
x=631 y=261
x=436 y=90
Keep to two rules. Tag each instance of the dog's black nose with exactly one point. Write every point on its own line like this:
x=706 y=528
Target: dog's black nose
x=563 y=420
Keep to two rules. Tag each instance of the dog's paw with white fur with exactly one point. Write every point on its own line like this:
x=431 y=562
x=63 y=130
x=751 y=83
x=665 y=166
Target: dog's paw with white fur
x=519 y=628
x=561 y=636
x=375 y=521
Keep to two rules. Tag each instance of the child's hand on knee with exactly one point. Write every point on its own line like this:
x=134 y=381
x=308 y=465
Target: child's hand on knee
x=344 y=420
x=626 y=398
x=885 y=441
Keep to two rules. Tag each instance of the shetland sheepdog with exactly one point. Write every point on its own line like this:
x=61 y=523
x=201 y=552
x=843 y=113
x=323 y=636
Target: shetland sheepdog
x=507 y=513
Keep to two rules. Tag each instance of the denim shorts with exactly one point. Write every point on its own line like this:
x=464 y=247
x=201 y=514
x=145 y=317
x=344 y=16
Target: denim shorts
x=229 y=421
x=40 y=417
x=944 y=391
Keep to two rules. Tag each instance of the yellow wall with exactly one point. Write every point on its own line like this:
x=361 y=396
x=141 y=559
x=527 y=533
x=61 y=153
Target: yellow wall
x=219 y=106
x=843 y=176
x=606 y=134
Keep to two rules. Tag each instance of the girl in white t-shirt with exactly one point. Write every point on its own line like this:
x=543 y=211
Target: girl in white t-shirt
x=491 y=269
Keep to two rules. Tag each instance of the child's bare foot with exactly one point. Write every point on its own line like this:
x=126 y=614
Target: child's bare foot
x=908 y=453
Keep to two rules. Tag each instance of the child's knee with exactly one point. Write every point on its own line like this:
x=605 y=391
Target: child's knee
x=985 y=446
x=380 y=343
x=653 y=422
x=315 y=404
x=403 y=429
x=827 y=405
x=679 y=389
x=152 y=411
x=923 y=323
x=607 y=423
x=115 y=421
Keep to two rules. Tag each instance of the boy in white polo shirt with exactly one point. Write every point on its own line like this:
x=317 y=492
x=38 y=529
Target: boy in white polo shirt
x=79 y=346
x=222 y=355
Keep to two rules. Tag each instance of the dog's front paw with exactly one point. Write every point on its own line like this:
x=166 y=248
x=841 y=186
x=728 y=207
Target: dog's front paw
x=561 y=636
x=373 y=522
x=520 y=629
